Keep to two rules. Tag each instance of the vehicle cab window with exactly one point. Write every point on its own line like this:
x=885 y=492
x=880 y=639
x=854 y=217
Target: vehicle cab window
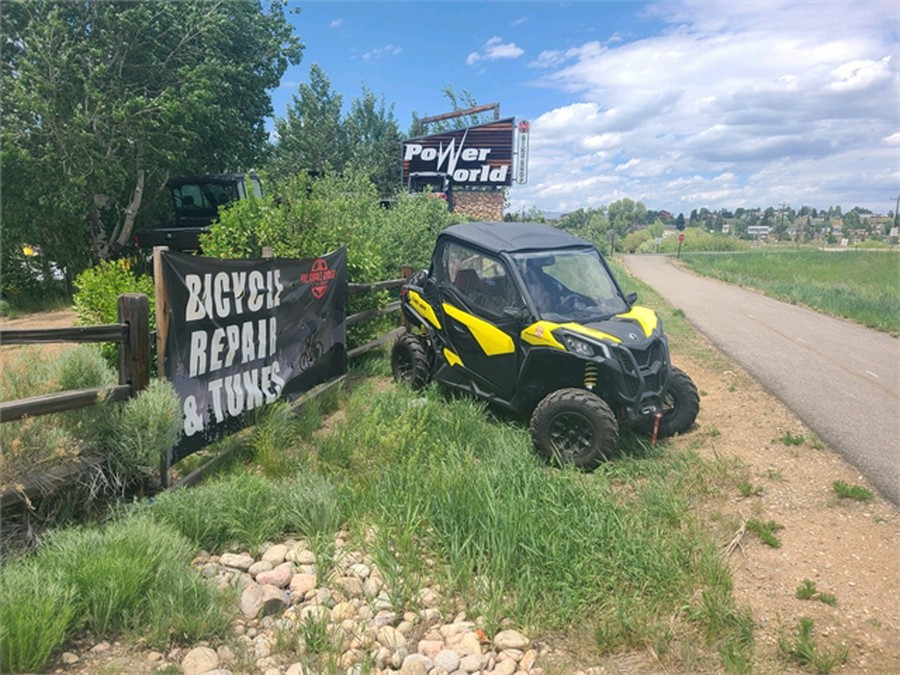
x=481 y=280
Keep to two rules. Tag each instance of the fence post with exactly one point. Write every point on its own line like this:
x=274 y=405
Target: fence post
x=134 y=353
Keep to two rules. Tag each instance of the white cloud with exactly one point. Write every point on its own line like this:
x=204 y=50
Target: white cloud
x=493 y=50
x=337 y=23
x=382 y=52
x=733 y=104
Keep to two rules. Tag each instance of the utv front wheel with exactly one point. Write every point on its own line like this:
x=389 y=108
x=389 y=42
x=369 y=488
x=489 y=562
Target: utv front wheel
x=680 y=405
x=409 y=361
x=573 y=426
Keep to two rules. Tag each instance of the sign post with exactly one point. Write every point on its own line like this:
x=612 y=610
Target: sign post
x=524 y=129
x=680 y=239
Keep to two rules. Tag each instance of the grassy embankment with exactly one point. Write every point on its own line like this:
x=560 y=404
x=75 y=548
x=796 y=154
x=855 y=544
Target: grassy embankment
x=863 y=286
x=437 y=491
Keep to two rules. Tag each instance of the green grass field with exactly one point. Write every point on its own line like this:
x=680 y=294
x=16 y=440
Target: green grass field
x=863 y=286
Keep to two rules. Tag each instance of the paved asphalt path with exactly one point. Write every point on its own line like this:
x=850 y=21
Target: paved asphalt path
x=841 y=379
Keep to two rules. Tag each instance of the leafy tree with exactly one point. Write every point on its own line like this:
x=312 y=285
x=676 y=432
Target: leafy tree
x=657 y=229
x=311 y=137
x=625 y=215
x=104 y=100
x=852 y=221
x=679 y=221
x=589 y=224
x=374 y=142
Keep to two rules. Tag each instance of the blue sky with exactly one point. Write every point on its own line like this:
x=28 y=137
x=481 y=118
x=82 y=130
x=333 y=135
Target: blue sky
x=679 y=104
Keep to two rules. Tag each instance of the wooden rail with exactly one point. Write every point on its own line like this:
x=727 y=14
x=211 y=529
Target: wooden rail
x=132 y=334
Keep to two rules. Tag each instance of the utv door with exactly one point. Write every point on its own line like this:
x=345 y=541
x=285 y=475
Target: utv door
x=480 y=302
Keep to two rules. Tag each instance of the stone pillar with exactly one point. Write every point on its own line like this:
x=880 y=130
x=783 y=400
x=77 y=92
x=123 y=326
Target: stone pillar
x=479 y=205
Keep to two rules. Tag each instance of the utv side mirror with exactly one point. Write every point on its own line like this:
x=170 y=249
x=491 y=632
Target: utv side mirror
x=517 y=314
x=631 y=298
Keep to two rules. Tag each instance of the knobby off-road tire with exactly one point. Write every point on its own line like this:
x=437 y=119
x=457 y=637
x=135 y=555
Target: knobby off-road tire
x=574 y=426
x=410 y=362
x=680 y=405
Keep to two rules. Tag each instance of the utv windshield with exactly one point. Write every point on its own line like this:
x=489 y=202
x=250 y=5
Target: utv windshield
x=570 y=285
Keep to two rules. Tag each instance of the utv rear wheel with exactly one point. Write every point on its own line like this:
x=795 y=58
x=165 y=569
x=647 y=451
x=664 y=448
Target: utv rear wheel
x=573 y=426
x=409 y=361
x=680 y=405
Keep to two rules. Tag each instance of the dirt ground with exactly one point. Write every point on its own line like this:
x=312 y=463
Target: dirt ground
x=849 y=549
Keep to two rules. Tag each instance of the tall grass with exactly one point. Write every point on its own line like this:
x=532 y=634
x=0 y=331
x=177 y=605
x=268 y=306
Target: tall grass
x=36 y=616
x=246 y=509
x=861 y=286
x=129 y=577
x=615 y=554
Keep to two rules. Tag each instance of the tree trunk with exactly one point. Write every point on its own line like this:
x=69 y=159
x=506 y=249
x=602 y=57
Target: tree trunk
x=130 y=213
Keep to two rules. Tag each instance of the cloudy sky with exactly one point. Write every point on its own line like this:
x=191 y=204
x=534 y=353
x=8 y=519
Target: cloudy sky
x=679 y=104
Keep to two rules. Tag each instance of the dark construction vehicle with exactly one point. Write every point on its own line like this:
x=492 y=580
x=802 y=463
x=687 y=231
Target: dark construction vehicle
x=530 y=318
x=196 y=201
x=437 y=182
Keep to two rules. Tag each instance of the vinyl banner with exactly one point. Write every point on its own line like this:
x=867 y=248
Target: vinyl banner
x=243 y=333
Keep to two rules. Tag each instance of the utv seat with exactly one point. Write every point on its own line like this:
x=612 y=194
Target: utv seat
x=468 y=282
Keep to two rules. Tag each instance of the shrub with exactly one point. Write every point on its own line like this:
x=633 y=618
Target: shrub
x=33 y=443
x=141 y=430
x=698 y=239
x=97 y=296
x=314 y=216
x=636 y=240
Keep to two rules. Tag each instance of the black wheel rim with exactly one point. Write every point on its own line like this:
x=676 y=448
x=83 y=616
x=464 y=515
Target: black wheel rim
x=670 y=402
x=572 y=436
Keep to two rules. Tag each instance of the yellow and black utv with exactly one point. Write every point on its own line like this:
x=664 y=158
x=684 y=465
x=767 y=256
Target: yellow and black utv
x=530 y=318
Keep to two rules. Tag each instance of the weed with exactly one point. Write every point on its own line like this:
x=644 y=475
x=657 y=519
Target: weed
x=765 y=531
x=855 y=492
x=747 y=489
x=713 y=431
x=827 y=598
x=806 y=590
x=790 y=439
x=802 y=649
x=775 y=474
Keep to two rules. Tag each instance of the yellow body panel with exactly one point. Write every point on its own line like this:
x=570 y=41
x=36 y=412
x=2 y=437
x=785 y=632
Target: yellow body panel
x=541 y=333
x=491 y=339
x=644 y=316
x=452 y=358
x=423 y=308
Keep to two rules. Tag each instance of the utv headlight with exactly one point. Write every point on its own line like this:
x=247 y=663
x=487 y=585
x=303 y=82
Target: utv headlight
x=577 y=346
x=585 y=348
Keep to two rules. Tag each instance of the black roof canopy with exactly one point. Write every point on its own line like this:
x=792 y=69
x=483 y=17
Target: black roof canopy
x=503 y=237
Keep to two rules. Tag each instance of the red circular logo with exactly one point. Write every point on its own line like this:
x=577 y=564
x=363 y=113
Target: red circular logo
x=318 y=277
